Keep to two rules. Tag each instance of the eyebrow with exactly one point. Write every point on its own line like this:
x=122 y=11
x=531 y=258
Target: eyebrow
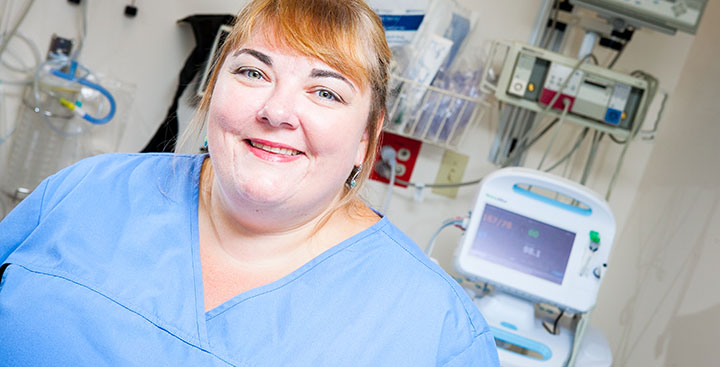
x=319 y=73
x=265 y=59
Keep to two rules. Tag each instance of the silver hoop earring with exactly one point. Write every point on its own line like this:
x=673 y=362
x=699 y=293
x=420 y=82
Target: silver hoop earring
x=351 y=182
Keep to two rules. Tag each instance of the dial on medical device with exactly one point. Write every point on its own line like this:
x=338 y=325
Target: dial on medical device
x=535 y=237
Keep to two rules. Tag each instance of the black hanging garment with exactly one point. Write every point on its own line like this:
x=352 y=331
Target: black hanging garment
x=204 y=27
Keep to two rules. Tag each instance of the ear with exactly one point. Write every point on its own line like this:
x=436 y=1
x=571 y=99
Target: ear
x=362 y=148
x=365 y=140
x=380 y=123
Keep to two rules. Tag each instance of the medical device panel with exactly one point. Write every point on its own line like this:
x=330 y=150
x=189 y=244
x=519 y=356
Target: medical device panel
x=538 y=237
x=662 y=15
x=599 y=98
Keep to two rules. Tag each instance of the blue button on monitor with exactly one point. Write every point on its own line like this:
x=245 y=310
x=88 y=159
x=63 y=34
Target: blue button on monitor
x=612 y=116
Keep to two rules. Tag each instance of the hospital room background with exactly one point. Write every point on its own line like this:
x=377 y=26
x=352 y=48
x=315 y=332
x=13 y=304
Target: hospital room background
x=658 y=304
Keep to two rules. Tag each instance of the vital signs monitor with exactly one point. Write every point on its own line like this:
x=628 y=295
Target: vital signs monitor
x=538 y=236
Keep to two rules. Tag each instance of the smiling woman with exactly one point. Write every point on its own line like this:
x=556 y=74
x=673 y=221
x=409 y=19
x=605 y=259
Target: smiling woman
x=344 y=36
x=258 y=253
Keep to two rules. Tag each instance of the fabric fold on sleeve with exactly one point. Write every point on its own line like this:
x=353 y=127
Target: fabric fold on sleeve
x=481 y=353
x=21 y=221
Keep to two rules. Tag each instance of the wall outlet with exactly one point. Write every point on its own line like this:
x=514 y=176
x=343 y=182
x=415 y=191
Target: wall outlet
x=406 y=150
x=452 y=170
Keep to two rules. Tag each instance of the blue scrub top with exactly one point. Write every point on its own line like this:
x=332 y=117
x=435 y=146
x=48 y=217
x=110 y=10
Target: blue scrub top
x=101 y=266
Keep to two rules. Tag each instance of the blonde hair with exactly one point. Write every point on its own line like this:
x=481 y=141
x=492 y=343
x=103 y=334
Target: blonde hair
x=344 y=34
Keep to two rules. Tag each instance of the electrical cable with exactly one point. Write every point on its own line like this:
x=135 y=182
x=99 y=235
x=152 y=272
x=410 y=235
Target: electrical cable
x=16 y=82
x=388 y=155
x=5 y=137
x=549 y=35
x=651 y=133
x=567 y=169
x=616 y=140
x=438 y=186
x=388 y=159
x=597 y=137
x=617 y=55
x=389 y=193
x=578 y=142
x=6 y=40
x=33 y=49
x=543 y=132
x=557 y=320
x=83 y=31
x=622 y=47
x=652 y=90
x=566 y=108
x=522 y=147
x=448 y=222
x=5 y=12
x=22 y=68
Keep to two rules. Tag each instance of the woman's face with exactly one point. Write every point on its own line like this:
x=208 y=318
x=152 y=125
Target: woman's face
x=284 y=130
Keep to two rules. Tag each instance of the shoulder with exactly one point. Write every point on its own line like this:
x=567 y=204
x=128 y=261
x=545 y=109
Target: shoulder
x=434 y=295
x=434 y=278
x=106 y=173
x=106 y=166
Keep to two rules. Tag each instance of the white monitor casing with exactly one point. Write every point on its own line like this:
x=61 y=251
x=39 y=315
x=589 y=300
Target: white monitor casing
x=504 y=189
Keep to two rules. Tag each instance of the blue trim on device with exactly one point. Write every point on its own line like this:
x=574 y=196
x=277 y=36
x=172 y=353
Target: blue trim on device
x=523 y=342
x=508 y=325
x=553 y=202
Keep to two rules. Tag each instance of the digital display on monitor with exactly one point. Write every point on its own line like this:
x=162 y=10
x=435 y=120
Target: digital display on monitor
x=523 y=244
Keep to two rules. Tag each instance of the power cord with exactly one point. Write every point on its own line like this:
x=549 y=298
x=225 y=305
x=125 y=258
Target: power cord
x=438 y=186
x=459 y=222
x=575 y=147
x=554 y=330
x=6 y=39
x=383 y=168
x=566 y=108
x=388 y=156
x=652 y=90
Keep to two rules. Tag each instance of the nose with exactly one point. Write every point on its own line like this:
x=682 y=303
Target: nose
x=279 y=109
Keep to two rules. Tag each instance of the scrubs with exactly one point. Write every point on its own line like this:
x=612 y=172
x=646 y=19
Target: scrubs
x=100 y=266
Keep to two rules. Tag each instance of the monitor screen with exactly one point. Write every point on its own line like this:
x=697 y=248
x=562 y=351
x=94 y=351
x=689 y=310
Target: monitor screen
x=523 y=244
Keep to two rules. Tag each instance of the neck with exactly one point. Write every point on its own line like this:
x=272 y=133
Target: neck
x=257 y=235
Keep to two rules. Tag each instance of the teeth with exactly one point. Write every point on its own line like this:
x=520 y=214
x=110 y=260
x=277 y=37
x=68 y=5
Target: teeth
x=282 y=151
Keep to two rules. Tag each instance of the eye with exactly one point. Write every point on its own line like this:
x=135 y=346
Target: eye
x=250 y=73
x=326 y=94
x=253 y=74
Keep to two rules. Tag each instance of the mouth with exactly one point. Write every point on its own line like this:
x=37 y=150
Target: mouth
x=285 y=151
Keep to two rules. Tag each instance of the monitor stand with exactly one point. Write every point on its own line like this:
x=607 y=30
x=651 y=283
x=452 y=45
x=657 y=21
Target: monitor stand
x=523 y=341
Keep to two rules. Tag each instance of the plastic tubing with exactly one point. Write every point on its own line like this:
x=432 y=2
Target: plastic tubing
x=6 y=39
x=97 y=87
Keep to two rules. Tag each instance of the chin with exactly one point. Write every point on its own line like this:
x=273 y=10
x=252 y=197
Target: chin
x=262 y=194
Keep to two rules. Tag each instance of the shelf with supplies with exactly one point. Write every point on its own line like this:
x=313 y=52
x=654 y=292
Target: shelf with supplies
x=431 y=114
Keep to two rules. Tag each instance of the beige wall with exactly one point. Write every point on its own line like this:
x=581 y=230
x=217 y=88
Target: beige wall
x=660 y=304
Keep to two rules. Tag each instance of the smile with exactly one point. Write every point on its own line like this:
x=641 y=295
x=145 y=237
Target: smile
x=276 y=150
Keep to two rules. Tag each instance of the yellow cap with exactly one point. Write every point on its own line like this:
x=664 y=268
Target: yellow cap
x=67 y=104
